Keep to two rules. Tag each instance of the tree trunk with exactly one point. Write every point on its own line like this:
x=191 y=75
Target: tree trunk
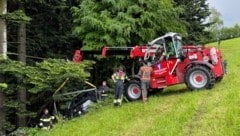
x=3 y=29
x=22 y=43
x=22 y=57
x=3 y=53
x=2 y=113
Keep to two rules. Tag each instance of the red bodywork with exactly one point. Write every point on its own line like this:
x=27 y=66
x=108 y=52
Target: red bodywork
x=172 y=71
x=77 y=58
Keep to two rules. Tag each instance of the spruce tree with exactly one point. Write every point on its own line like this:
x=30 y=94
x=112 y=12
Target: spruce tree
x=194 y=16
x=124 y=22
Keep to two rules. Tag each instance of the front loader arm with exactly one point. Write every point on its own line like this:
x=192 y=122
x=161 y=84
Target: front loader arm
x=133 y=52
x=115 y=51
x=143 y=52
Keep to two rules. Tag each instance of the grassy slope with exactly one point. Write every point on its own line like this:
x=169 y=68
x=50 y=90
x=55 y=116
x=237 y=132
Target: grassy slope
x=177 y=111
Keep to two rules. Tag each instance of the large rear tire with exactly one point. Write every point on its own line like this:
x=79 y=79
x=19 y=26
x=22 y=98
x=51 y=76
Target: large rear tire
x=133 y=90
x=199 y=77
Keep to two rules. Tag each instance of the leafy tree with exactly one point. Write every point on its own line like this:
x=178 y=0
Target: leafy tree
x=48 y=34
x=19 y=18
x=49 y=31
x=194 y=15
x=44 y=79
x=10 y=71
x=51 y=73
x=216 y=24
x=230 y=32
x=41 y=81
x=125 y=22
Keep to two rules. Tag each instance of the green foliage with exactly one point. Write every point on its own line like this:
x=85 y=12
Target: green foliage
x=216 y=23
x=18 y=16
x=120 y=23
x=49 y=74
x=14 y=67
x=49 y=30
x=24 y=131
x=9 y=71
x=3 y=86
x=194 y=15
x=41 y=81
x=224 y=33
x=230 y=32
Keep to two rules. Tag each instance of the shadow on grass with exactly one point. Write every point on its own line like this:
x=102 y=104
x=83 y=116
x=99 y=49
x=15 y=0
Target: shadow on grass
x=168 y=92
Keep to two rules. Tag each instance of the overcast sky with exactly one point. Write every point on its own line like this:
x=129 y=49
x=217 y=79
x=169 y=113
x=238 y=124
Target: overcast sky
x=229 y=9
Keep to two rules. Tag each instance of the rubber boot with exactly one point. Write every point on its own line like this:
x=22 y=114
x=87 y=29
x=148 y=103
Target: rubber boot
x=119 y=101
x=115 y=102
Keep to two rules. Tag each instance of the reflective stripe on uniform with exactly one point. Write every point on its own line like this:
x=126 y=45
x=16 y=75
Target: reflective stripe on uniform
x=46 y=120
x=146 y=72
x=52 y=117
x=117 y=77
x=46 y=128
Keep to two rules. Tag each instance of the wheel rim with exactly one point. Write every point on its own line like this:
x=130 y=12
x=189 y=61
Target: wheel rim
x=134 y=91
x=198 y=79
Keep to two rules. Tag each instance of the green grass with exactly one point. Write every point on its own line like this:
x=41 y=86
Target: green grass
x=176 y=111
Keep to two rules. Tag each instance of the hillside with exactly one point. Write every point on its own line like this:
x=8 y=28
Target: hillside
x=176 y=111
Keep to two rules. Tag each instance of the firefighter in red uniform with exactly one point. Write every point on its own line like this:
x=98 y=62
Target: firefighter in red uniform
x=145 y=74
x=119 y=78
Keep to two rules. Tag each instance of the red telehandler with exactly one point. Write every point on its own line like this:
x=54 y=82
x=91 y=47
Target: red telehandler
x=195 y=65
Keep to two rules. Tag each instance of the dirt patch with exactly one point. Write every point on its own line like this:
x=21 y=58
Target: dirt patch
x=198 y=115
x=202 y=111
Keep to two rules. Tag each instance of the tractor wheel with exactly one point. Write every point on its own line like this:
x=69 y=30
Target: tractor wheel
x=199 y=77
x=133 y=90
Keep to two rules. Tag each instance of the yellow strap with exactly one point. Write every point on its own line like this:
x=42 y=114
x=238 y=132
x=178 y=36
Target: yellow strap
x=90 y=84
x=64 y=83
x=61 y=86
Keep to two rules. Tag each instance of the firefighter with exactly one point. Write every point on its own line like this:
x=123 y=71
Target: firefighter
x=119 y=78
x=46 y=120
x=145 y=74
x=160 y=54
x=103 y=91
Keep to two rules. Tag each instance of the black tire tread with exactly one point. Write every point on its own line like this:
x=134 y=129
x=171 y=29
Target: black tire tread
x=126 y=89
x=206 y=70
